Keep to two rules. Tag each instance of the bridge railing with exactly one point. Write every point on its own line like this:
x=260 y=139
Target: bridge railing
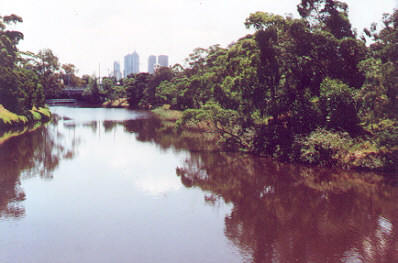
x=60 y=101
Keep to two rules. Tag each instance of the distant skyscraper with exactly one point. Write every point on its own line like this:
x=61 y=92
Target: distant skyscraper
x=151 y=64
x=136 y=62
x=116 y=70
x=127 y=65
x=131 y=64
x=163 y=61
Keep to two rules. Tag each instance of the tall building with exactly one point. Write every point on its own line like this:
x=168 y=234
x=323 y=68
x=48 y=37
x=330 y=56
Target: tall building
x=131 y=64
x=128 y=68
x=163 y=61
x=151 y=64
x=116 y=70
x=136 y=62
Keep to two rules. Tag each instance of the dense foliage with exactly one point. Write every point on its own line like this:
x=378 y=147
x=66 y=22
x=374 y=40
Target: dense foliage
x=20 y=87
x=292 y=82
x=26 y=79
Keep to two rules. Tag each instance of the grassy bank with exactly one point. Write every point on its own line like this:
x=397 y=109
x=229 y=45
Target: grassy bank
x=166 y=114
x=119 y=103
x=9 y=119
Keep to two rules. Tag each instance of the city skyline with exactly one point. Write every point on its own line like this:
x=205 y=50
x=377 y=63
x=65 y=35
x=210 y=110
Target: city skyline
x=132 y=65
x=96 y=32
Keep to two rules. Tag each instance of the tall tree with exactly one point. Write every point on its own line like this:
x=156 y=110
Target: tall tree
x=9 y=40
x=48 y=66
x=135 y=89
x=93 y=93
x=20 y=89
x=327 y=15
x=69 y=76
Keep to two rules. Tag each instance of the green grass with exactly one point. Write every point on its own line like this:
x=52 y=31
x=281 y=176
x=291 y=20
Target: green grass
x=36 y=115
x=9 y=119
x=166 y=114
x=45 y=113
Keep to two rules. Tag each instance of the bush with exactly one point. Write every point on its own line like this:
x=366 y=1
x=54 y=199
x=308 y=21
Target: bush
x=328 y=148
x=385 y=132
x=322 y=147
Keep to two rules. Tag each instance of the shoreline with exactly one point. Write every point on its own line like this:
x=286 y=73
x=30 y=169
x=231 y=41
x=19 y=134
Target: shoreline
x=9 y=120
x=359 y=160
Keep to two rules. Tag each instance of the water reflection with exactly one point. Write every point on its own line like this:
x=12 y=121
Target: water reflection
x=286 y=213
x=165 y=136
x=280 y=213
x=33 y=153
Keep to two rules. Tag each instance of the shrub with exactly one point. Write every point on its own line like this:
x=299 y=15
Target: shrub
x=322 y=147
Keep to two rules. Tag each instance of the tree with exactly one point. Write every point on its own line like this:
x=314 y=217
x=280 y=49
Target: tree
x=9 y=40
x=154 y=80
x=30 y=91
x=166 y=93
x=47 y=67
x=20 y=89
x=85 y=80
x=69 y=76
x=135 y=87
x=385 y=49
x=107 y=87
x=93 y=92
x=329 y=15
x=211 y=118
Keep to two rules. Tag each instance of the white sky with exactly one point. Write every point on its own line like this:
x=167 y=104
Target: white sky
x=88 y=32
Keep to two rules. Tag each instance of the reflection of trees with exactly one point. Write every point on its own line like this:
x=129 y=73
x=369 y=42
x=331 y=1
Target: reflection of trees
x=285 y=213
x=34 y=153
x=165 y=135
x=145 y=129
x=109 y=125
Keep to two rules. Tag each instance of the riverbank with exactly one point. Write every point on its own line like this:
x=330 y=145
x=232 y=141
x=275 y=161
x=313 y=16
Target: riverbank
x=119 y=103
x=322 y=147
x=9 y=119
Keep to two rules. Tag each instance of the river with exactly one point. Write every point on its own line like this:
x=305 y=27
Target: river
x=113 y=185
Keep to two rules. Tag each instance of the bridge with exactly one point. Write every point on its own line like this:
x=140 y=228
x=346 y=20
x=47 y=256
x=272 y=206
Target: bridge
x=60 y=101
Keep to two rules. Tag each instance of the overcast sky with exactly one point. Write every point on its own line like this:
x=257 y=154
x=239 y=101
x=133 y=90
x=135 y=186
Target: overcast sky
x=88 y=32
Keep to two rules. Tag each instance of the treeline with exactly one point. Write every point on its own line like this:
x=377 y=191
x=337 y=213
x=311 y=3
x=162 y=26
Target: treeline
x=307 y=89
x=26 y=78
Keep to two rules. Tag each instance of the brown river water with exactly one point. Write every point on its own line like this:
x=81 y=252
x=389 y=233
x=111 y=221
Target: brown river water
x=113 y=185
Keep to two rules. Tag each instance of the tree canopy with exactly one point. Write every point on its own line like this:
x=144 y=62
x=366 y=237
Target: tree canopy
x=287 y=82
x=20 y=87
